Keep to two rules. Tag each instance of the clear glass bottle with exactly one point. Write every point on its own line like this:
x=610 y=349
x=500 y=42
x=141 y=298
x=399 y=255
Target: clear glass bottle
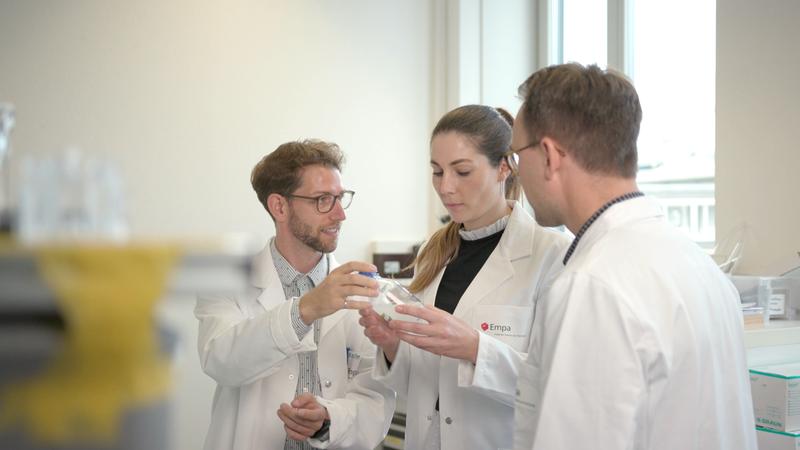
x=390 y=295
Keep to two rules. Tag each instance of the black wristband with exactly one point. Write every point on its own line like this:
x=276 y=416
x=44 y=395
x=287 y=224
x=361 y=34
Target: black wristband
x=323 y=431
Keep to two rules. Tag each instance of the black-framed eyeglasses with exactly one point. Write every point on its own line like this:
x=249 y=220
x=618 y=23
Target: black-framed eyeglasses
x=512 y=154
x=325 y=202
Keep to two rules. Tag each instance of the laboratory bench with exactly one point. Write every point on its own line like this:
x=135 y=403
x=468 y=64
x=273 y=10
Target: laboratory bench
x=777 y=343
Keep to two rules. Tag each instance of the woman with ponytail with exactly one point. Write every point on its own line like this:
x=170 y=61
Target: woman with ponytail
x=479 y=278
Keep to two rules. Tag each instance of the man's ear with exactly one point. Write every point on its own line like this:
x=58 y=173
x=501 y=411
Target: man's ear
x=554 y=156
x=278 y=206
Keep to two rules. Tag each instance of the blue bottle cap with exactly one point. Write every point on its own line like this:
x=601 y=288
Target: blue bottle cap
x=370 y=274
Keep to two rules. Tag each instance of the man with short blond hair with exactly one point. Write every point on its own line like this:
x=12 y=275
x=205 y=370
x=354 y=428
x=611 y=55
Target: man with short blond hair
x=638 y=342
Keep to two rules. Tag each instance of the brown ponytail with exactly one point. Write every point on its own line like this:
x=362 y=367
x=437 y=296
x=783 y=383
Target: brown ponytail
x=438 y=251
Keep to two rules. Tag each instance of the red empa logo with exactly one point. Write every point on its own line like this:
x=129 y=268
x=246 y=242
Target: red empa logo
x=484 y=326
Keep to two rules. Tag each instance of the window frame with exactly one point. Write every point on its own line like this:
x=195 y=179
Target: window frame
x=620 y=33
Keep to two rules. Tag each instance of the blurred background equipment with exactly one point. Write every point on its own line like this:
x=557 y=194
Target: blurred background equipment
x=392 y=258
x=86 y=360
x=86 y=355
x=109 y=364
x=70 y=196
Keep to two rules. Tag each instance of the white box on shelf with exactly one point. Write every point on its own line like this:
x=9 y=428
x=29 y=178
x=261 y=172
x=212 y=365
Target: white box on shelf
x=779 y=296
x=777 y=440
x=776 y=396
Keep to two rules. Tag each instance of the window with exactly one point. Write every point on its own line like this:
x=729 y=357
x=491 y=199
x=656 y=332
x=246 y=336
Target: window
x=584 y=31
x=668 y=50
x=672 y=63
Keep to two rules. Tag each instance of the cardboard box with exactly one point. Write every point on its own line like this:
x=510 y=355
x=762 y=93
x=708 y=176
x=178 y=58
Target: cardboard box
x=777 y=440
x=776 y=396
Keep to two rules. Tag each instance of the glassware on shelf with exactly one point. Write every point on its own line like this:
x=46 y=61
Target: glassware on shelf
x=70 y=197
x=7 y=120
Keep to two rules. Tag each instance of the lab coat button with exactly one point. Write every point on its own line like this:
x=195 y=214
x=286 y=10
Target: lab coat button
x=291 y=376
x=429 y=418
x=327 y=383
x=517 y=392
x=448 y=420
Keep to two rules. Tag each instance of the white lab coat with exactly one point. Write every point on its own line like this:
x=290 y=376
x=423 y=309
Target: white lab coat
x=637 y=345
x=476 y=402
x=247 y=344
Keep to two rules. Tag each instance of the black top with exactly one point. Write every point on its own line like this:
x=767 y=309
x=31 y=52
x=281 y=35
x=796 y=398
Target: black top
x=460 y=272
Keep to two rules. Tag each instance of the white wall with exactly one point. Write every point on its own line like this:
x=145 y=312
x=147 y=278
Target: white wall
x=508 y=51
x=188 y=95
x=483 y=50
x=758 y=115
x=490 y=50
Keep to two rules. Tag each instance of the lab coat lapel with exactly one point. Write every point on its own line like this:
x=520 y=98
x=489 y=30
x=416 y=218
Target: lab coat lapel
x=428 y=294
x=264 y=276
x=498 y=267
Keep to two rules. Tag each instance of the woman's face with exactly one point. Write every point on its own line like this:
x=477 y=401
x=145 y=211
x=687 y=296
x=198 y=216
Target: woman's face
x=468 y=186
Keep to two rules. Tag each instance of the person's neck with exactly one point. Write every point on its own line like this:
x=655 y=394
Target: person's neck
x=299 y=255
x=497 y=212
x=591 y=194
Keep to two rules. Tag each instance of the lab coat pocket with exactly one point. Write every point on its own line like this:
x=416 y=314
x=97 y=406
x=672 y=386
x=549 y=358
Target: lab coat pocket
x=509 y=324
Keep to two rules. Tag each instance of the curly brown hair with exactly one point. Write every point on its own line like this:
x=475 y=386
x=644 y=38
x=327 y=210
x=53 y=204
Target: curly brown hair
x=279 y=172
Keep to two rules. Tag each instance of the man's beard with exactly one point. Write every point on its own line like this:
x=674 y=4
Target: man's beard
x=305 y=234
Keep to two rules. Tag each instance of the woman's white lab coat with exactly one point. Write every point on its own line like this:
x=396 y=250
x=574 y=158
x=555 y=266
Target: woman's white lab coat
x=247 y=344
x=476 y=402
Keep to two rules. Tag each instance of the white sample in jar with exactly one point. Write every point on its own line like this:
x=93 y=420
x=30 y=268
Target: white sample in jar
x=390 y=295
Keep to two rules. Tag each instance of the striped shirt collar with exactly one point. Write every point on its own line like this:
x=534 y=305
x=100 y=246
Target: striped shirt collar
x=594 y=217
x=289 y=275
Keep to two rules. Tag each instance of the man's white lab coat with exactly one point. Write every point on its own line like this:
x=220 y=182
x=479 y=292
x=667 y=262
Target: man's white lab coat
x=637 y=345
x=247 y=344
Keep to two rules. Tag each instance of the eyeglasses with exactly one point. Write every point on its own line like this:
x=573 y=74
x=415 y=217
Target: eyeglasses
x=511 y=155
x=325 y=202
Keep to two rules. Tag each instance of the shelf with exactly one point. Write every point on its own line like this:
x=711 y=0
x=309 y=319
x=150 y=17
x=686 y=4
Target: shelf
x=777 y=332
x=198 y=271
